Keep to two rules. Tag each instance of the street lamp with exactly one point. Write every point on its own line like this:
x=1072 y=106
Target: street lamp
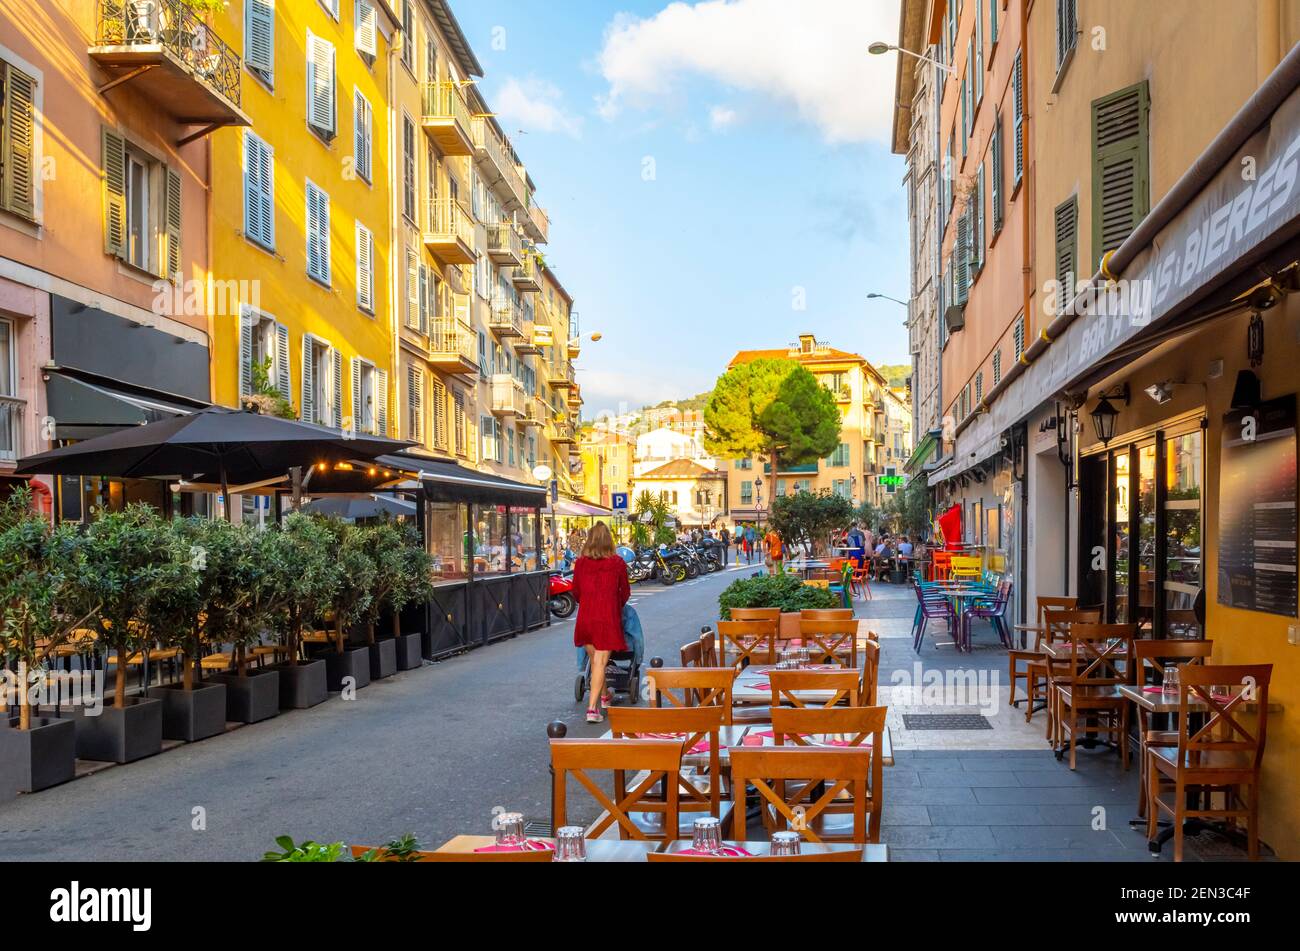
x=878 y=49
x=1105 y=416
x=887 y=297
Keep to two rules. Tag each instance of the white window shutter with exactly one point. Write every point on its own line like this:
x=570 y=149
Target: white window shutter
x=282 y=379
x=358 y=411
x=381 y=401
x=320 y=84
x=259 y=35
x=365 y=269
x=336 y=370
x=308 y=380
x=366 y=28
x=412 y=289
x=259 y=193
x=362 y=130
x=318 y=234
x=245 y=352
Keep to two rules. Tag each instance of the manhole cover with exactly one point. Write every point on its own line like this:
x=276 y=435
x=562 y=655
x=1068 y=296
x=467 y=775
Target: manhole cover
x=945 y=721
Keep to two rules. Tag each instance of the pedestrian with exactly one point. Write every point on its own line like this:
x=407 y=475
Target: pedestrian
x=775 y=550
x=751 y=543
x=725 y=538
x=602 y=589
x=856 y=542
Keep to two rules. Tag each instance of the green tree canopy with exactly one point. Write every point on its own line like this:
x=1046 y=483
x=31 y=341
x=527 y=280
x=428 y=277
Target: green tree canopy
x=811 y=517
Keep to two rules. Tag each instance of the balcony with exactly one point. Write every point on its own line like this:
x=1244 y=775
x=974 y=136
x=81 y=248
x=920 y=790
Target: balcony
x=527 y=277
x=453 y=348
x=563 y=433
x=527 y=345
x=504 y=246
x=498 y=167
x=508 y=396
x=575 y=397
x=165 y=50
x=562 y=375
x=12 y=414
x=532 y=414
x=446 y=118
x=449 y=232
x=537 y=222
x=505 y=318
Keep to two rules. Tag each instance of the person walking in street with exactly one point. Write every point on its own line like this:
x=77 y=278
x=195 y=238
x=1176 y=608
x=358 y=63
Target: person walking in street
x=602 y=589
x=726 y=545
x=774 y=548
x=856 y=542
x=751 y=537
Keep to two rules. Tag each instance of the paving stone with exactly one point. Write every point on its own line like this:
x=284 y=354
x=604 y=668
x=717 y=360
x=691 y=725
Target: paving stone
x=972 y=815
x=1035 y=795
x=966 y=777
x=1054 y=837
x=938 y=837
x=930 y=795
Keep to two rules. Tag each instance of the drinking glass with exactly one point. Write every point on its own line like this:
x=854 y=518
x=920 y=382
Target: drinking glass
x=1171 y=679
x=510 y=830
x=708 y=835
x=785 y=843
x=570 y=846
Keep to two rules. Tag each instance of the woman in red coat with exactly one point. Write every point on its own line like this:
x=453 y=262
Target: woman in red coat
x=601 y=588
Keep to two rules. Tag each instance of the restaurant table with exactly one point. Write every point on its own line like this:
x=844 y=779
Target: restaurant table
x=1026 y=629
x=751 y=735
x=870 y=853
x=598 y=850
x=751 y=688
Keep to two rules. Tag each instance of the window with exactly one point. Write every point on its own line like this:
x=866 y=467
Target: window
x=961 y=258
x=997 y=366
x=843 y=488
x=362 y=135
x=1067 y=248
x=408 y=35
x=318 y=234
x=1067 y=30
x=414 y=403
x=322 y=383
x=142 y=212
x=841 y=457
x=979 y=51
x=321 y=107
x=438 y=396
x=744 y=464
x=408 y=168
x=263 y=349
x=365 y=269
x=977 y=223
x=1018 y=104
x=412 y=289
x=993 y=22
x=459 y=424
x=11 y=414
x=1120 y=192
x=979 y=387
x=996 y=172
x=259 y=191
x=17 y=142
x=365 y=388
x=1019 y=336
x=488 y=427
x=259 y=39
x=365 y=28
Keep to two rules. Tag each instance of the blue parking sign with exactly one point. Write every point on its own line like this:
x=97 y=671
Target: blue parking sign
x=620 y=502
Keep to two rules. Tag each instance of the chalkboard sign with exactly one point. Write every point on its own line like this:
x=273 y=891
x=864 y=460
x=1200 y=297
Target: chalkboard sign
x=1257 y=509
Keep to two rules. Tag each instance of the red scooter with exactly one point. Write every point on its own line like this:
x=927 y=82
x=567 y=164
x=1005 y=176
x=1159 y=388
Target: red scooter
x=560 y=593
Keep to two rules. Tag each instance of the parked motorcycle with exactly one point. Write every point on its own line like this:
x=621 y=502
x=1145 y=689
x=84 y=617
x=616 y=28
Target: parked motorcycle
x=560 y=592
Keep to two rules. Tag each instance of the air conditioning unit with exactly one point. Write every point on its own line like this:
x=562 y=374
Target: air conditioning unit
x=955 y=318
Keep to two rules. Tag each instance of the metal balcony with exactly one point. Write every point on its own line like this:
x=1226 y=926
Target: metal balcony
x=504 y=246
x=537 y=222
x=449 y=232
x=562 y=375
x=446 y=118
x=527 y=277
x=166 y=51
x=453 y=347
x=505 y=318
x=532 y=414
x=527 y=345
x=498 y=167
x=563 y=433
x=508 y=396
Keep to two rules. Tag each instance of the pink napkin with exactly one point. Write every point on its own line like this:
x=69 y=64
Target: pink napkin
x=757 y=737
x=726 y=852
x=532 y=845
x=701 y=747
x=1153 y=689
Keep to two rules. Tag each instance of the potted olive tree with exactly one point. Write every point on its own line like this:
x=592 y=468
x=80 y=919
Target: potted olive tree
x=128 y=554
x=402 y=576
x=241 y=596
x=349 y=604
x=174 y=615
x=300 y=555
x=42 y=603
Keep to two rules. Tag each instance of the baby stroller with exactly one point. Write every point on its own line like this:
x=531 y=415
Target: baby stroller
x=623 y=672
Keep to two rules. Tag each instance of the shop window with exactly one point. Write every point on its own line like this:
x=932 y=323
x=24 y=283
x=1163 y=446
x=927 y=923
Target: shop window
x=445 y=531
x=490 y=540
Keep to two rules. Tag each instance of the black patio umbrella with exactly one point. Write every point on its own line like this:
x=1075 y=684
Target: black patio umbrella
x=224 y=445
x=354 y=507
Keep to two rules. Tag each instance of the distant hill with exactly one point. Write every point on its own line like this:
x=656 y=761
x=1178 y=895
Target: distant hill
x=896 y=375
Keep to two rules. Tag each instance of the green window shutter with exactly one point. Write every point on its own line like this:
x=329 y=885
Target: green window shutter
x=1120 y=186
x=1018 y=102
x=996 y=177
x=114 y=148
x=18 y=144
x=961 y=259
x=171 y=257
x=1067 y=246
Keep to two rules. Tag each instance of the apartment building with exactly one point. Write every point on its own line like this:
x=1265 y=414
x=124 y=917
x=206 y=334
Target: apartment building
x=608 y=459
x=857 y=468
x=111 y=114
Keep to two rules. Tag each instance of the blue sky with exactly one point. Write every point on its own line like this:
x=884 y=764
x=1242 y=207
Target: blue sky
x=718 y=176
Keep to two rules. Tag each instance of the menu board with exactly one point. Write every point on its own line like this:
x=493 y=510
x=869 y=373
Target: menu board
x=1257 y=509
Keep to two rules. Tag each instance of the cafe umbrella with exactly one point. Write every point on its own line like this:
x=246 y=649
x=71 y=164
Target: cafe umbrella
x=225 y=445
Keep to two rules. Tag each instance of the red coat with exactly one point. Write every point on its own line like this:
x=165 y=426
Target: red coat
x=601 y=588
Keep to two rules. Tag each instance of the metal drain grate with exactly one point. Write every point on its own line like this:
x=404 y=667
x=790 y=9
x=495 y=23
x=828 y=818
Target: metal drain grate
x=946 y=721
x=541 y=830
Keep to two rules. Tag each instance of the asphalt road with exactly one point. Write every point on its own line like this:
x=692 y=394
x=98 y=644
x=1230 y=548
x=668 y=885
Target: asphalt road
x=432 y=752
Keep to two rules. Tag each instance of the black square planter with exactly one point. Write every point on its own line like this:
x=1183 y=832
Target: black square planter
x=192 y=715
x=410 y=651
x=36 y=759
x=120 y=736
x=354 y=662
x=383 y=659
x=302 y=686
x=252 y=698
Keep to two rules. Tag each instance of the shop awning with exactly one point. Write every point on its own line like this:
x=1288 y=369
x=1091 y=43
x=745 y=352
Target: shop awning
x=575 y=508
x=445 y=480
x=84 y=410
x=1218 y=245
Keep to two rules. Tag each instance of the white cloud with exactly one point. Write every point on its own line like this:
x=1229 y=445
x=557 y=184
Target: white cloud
x=811 y=55
x=534 y=105
x=722 y=118
x=607 y=391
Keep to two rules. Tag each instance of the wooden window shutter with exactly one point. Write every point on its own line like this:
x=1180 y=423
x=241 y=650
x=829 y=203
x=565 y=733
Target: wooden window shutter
x=114 y=149
x=259 y=32
x=18 y=142
x=996 y=171
x=320 y=84
x=979 y=387
x=1120 y=190
x=247 y=322
x=336 y=371
x=365 y=269
x=362 y=126
x=1019 y=336
x=308 y=380
x=961 y=259
x=282 y=378
x=977 y=231
x=171 y=256
x=366 y=28
x=459 y=423
x=381 y=401
x=358 y=411
x=1067 y=247
x=415 y=403
x=997 y=366
x=439 y=397
x=1018 y=101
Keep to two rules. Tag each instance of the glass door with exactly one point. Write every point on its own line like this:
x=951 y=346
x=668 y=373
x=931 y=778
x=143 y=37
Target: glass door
x=1183 y=566
x=1146 y=539
x=1121 y=524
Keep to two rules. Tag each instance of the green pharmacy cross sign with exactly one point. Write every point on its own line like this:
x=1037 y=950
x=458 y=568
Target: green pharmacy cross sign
x=894 y=481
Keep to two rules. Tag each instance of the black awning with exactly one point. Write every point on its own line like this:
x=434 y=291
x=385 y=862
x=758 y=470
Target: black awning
x=84 y=410
x=445 y=480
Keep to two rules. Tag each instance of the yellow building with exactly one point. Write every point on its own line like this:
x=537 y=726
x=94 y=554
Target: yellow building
x=608 y=459
x=300 y=210
x=858 y=469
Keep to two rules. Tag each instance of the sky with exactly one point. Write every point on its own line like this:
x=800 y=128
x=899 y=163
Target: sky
x=718 y=176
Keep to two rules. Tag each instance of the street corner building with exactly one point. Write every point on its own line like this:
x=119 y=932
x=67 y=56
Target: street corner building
x=1104 y=325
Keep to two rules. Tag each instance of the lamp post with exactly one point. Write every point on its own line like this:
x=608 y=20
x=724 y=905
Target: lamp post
x=878 y=49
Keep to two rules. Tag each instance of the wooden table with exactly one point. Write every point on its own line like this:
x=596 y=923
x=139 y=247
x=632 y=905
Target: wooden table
x=598 y=850
x=746 y=692
x=1026 y=629
x=735 y=736
x=870 y=853
x=1156 y=702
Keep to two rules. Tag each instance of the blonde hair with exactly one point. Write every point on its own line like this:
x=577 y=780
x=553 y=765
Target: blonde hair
x=600 y=543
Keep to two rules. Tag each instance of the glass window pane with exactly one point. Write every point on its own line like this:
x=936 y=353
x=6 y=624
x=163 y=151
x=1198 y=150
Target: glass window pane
x=523 y=539
x=1120 y=552
x=447 y=543
x=1146 y=535
x=1183 y=553
x=490 y=526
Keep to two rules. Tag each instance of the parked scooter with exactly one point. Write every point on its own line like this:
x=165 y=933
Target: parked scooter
x=560 y=592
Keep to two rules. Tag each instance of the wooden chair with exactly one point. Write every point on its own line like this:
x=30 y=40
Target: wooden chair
x=869 y=690
x=692 y=654
x=845 y=855
x=834 y=770
x=692 y=687
x=1089 y=701
x=1151 y=656
x=751 y=642
x=826 y=614
x=757 y=614
x=1035 y=670
x=787 y=684
x=708 y=648
x=659 y=760
x=845 y=727
x=1222 y=756
x=831 y=640
x=698 y=791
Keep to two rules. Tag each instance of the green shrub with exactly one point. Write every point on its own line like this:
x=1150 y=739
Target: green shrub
x=776 y=591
